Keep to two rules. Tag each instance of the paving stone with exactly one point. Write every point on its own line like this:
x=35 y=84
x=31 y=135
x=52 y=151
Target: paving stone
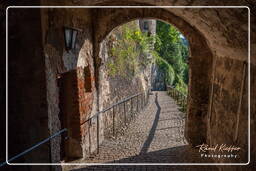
x=156 y=135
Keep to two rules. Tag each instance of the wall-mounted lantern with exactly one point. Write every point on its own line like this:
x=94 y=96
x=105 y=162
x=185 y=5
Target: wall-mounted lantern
x=70 y=35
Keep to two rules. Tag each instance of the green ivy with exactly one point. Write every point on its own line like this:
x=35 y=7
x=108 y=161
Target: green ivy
x=129 y=52
x=171 y=47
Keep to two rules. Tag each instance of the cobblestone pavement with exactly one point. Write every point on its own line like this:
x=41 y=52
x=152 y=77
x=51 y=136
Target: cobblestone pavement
x=156 y=135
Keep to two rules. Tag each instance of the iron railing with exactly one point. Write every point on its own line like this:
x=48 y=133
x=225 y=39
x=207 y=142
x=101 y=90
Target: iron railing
x=141 y=101
x=179 y=97
x=34 y=146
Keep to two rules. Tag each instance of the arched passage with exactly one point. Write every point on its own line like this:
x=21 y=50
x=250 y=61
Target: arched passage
x=200 y=62
x=218 y=39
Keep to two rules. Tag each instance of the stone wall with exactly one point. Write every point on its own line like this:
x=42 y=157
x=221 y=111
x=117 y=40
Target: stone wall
x=158 y=79
x=113 y=89
x=60 y=62
x=198 y=25
x=200 y=66
x=210 y=116
x=228 y=110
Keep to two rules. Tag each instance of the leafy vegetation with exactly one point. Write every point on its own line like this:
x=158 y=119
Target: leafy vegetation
x=128 y=52
x=173 y=48
x=130 y=48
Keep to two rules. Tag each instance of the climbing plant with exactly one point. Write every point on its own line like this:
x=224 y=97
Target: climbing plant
x=130 y=47
x=165 y=67
x=173 y=48
x=128 y=51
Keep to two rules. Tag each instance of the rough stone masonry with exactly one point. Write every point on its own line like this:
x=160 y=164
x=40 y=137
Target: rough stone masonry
x=218 y=87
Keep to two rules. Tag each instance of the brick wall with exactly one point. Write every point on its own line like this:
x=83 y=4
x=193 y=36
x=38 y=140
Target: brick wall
x=73 y=63
x=76 y=104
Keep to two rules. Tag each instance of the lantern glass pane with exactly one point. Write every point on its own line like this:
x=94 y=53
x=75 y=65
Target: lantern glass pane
x=74 y=38
x=146 y=25
x=68 y=40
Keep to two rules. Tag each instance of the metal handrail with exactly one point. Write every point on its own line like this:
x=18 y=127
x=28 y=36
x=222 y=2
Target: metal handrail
x=176 y=96
x=177 y=91
x=143 y=102
x=34 y=146
x=110 y=107
x=65 y=129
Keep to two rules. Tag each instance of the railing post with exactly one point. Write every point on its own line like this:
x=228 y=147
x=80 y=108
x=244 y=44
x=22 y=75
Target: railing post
x=182 y=102
x=141 y=103
x=124 y=113
x=144 y=99
x=131 y=107
x=148 y=96
x=113 y=120
x=137 y=103
x=89 y=135
x=98 y=135
x=184 y=99
x=178 y=97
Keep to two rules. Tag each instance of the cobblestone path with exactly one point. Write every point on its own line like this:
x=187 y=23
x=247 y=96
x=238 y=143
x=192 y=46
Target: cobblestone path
x=156 y=135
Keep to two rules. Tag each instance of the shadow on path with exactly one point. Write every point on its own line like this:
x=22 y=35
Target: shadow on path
x=174 y=153
x=147 y=143
x=180 y=154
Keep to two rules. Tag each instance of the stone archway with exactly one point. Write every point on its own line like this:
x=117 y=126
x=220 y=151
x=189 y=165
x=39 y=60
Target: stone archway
x=218 y=80
x=211 y=90
x=222 y=33
x=200 y=63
